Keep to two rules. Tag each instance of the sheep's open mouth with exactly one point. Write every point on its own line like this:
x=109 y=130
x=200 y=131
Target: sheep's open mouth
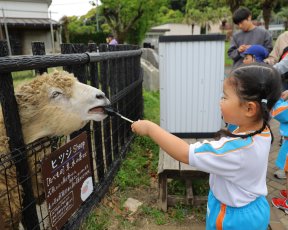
x=98 y=109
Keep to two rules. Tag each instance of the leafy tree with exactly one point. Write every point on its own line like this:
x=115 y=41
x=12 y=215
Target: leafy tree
x=267 y=7
x=204 y=13
x=178 y=5
x=284 y=15
x=262 y=7
x=82 y=30
x=233 y=4
x=166 y=15
x=125 y=17
x=65 y=34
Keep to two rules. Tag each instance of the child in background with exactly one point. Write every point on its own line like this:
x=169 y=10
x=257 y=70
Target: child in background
x=255 y=53
x=280 y=113
x=238 y=161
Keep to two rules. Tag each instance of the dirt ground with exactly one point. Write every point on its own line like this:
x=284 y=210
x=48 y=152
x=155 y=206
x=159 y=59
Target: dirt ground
x=149 y=197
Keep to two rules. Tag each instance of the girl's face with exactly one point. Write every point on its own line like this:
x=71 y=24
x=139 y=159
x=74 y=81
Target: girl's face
x=231 y=108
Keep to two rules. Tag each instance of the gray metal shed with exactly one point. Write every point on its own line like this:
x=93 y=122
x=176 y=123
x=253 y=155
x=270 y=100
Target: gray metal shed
x=191 y=77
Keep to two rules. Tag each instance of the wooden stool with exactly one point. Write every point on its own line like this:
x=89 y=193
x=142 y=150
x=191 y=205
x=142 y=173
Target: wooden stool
x=169 y=168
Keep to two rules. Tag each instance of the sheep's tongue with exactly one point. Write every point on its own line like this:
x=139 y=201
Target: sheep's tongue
x=97 y=110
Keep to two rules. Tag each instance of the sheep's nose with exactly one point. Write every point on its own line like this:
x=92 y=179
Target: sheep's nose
x=100 y=96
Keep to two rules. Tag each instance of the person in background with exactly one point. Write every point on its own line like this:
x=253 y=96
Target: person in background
x=280 y=113
x=255 y=53
x=279 y=59
x=249 y=34
x=238 y=161
x=282 y=66
x=278 y=51
x=111 y=40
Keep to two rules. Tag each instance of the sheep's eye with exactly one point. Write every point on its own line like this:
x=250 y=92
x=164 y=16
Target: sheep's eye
x=55 y=94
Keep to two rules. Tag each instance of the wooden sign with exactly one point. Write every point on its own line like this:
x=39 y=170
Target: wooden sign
x=67 y=179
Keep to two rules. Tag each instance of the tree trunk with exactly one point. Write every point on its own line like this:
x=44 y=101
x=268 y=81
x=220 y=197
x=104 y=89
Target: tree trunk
x=286 y=25
x=267 y=7
x=120 y=37
x=234 y=4
x=192 y=28
x=266 y=17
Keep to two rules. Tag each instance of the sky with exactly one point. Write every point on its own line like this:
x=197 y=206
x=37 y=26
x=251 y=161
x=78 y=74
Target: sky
x=60 y=8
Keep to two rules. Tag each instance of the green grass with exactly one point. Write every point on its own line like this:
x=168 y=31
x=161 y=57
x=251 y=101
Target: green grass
x=228 y=61
x=134 y=176
x=22 y=77
x=142 y=160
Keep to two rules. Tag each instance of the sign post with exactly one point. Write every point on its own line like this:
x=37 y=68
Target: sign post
x=67 y=179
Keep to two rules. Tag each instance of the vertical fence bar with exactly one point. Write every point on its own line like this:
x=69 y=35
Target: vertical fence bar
x=121 y=84
x=16 y=143
x=80 y=71
x=66 y=48
x=38 y=48
x=97 y=127
x=127 y=96
x=114 y=90
x=105 y=79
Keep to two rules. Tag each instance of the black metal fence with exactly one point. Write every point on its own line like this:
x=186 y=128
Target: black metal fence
x=116 y=71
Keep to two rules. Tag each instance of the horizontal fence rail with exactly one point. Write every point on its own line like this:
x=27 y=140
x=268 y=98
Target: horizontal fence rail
x=18 y=63
x=116 y=70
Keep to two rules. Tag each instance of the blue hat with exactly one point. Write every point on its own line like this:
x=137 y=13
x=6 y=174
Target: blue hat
x=258 y=51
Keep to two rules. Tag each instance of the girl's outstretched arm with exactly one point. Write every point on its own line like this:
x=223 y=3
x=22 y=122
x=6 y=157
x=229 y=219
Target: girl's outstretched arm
x=174 y=146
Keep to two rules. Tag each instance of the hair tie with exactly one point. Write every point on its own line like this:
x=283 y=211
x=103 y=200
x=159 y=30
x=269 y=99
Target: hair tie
x=264 y=101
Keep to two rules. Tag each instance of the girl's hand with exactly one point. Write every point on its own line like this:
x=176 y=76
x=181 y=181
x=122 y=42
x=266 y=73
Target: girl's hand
x=142 y=127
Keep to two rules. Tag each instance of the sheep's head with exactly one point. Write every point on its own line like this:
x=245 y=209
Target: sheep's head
x=57 y=104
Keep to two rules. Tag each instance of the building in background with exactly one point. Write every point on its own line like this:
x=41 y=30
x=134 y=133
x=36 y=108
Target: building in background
x=152 y=36
x=25 y=21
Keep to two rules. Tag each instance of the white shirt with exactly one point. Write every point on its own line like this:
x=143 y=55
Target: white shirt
x=237 y=167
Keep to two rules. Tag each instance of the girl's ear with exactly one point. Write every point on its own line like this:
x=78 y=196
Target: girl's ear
x=251 y=108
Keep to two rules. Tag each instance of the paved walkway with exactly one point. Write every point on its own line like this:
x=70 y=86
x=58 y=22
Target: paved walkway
x=274 y=184
x=279 y=220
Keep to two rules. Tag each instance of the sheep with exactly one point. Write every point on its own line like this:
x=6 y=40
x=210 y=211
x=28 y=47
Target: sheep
x=53 y=104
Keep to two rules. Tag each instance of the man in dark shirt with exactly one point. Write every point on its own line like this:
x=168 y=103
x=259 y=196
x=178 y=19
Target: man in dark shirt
x=249 y=34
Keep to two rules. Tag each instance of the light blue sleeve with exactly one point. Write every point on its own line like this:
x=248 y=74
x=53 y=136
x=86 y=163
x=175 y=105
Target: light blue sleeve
x=282 y=66
x=221 y=157
x=280 y=111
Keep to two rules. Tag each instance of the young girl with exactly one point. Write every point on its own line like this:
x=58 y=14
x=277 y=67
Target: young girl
x=237 y=162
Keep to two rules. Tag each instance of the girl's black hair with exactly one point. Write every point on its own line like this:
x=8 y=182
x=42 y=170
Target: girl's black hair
x=241 y=14
x=257 y=82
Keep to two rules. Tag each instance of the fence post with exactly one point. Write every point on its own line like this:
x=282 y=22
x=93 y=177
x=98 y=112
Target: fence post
x=121 y=86
x=16 y=143
x=38 y=48
x=97 y=126
x=114 y=89
x=104 y=72
x=78 y=70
